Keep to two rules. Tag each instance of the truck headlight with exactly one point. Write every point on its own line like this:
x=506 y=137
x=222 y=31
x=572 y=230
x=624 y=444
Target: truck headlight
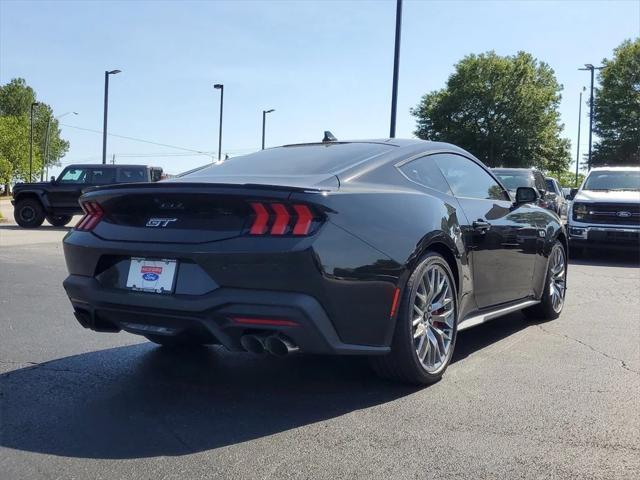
x=579 y=211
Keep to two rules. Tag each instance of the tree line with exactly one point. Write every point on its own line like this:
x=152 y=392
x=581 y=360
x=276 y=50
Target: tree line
x=16 y=98
x=504 y=110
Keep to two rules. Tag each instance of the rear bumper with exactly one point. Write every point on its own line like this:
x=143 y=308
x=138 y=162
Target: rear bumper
x=212 y=317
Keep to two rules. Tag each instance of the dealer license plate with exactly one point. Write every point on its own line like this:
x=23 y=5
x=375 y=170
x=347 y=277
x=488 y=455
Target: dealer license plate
x=156 y=276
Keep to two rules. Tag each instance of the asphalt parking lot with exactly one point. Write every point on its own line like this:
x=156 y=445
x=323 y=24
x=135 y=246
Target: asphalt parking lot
x=521 y=400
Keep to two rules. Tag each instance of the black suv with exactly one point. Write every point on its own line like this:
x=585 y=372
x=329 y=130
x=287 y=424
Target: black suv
x=57 y=200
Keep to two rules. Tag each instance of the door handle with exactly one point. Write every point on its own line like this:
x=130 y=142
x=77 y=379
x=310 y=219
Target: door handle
x=481 y=226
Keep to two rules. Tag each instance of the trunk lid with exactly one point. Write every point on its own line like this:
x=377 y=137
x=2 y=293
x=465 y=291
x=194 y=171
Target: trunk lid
x=182 y=212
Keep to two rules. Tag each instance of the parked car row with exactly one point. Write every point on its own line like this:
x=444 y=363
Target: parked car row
x=385 y=248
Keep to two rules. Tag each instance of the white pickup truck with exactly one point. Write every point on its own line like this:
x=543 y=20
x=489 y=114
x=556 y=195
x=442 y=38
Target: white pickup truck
x=605 y=211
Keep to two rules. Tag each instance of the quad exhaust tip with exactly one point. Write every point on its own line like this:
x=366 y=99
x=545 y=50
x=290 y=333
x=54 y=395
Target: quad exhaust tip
x=277 y=345
x=280 y=346
x=253 y=343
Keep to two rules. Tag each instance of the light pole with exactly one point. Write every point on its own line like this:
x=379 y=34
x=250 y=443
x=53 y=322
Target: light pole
x=578 y=144
x=264 y=119
x=219 y=86
x=46 y=143
x=592 y=69
x=396 y=66
x=33 y=104
x=106 y=109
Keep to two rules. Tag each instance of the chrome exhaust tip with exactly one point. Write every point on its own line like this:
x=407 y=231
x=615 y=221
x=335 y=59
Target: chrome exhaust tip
x=280 y=346
x=253 y=343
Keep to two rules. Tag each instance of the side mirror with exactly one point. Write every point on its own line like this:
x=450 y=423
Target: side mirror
x=53 y=179
x=572 y=193
x=526 y=195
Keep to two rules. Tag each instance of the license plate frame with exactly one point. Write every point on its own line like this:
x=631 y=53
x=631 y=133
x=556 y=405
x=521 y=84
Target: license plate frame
x=152 y=275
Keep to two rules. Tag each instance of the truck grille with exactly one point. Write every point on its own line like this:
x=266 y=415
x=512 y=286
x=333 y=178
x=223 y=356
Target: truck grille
x=610 y=213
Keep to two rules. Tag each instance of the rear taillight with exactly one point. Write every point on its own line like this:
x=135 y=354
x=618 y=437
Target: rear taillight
x=281 y=219
x=93 y=213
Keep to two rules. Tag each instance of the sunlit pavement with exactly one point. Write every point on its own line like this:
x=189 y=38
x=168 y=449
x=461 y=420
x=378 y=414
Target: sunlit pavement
x=522 y=400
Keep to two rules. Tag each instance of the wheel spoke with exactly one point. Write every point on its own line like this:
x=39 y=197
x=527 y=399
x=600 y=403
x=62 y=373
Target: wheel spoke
x=433 y=346
x=423 y=348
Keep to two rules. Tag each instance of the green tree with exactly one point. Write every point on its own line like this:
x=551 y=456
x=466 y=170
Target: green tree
x=14 y=149
x=567 y=178
x=504 y=110
x=16 y=98
x=617 y=108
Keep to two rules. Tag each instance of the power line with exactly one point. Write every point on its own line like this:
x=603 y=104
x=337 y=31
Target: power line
x=138 y=139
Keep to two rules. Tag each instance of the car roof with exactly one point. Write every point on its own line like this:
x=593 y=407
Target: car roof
x=514 y=170
x=101 y=165
x=615 y=169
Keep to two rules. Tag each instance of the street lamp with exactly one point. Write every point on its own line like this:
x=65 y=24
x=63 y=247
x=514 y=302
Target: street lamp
x=46 y=143
x=396 y=66
x=106 y=108
x=33 y=104
x=578 y=144
x=592 y=69
x=264 y=118
x=219 y=86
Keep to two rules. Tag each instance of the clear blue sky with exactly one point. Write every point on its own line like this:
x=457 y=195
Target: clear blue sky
x=321 y=65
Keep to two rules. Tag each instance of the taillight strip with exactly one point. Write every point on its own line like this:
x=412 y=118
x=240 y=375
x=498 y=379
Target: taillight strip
x=93 y=215
x=303 y=223
x=274 y=322
x=260 y=222
x=282 y=219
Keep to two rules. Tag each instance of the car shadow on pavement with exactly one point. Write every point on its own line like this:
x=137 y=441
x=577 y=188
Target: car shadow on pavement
x=145 y=401
x=47 y=227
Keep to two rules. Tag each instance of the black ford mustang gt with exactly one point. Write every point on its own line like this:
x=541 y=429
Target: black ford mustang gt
x=385 y=248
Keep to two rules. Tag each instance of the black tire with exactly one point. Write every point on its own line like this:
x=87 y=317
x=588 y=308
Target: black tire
x=545 y=310
x=179 y=341
x=402 y=363
x=59 y=220
x=28 y=213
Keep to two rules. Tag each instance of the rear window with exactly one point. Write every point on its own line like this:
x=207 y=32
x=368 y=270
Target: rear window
x=550 y=186
x=301 y=159
x=514 y=179
x=132 y=174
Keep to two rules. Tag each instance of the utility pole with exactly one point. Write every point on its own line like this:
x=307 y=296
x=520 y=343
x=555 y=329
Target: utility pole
x=396 y=66
x=264 y=119
x=592 y=70
x=106 y=109
x=578 y=144
x=33 y=104
x=46 y=147
x=219 y=86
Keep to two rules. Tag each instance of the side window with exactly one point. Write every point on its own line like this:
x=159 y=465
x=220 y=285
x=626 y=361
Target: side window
x=74 y=175
x=425 y=172
x=468 y=179
x=540 y=183
x=102 y=176
x=132 y=174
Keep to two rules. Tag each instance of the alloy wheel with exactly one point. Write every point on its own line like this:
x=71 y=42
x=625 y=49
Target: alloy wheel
x=27 y=213
x=557 y=283
x=433 y=318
